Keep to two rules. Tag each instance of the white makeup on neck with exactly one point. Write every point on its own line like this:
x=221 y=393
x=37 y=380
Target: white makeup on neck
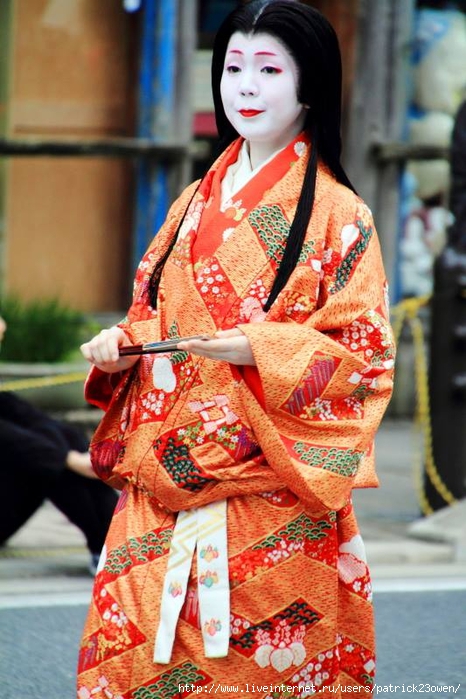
x=259 y=93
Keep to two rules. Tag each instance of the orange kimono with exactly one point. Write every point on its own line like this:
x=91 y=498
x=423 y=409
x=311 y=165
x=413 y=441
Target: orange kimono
x=234 y=564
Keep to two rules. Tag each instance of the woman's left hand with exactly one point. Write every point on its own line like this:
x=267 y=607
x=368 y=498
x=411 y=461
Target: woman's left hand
x=226 y=345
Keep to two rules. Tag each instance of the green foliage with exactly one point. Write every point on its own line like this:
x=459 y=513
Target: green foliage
x=44 y=330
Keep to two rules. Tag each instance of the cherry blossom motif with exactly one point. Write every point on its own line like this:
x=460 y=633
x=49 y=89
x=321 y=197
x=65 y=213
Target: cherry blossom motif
x=298 y=306
x=280 y=498
x=211 y=280
x=251 y=310
x=369 y=334
x=163 y=375
x=354 y=546
x=352 y=559
x=349 y=234
x=191 y=220
x=146 y=262
x=299 y=148
x=350 y=568
x=102 y=689
x=153 y=403
x=282 y=650
x=320 y=670
x=331 y=259
x=114 y=615
x=321 y=409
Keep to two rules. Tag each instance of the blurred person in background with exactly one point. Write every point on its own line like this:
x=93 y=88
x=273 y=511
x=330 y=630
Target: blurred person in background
x=457 y=233
x=47 y=459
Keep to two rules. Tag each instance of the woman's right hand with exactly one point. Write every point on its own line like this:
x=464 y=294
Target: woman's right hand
x=102 y=351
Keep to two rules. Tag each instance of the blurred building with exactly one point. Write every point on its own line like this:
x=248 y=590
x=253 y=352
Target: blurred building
x=67 y=73
x=106 y=113
x=79 y=74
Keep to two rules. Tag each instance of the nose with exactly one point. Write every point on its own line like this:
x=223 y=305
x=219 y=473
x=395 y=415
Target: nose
x=250 y=90
x=248 y=85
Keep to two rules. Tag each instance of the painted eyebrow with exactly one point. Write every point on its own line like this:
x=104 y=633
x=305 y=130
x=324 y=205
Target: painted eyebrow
x=258 y=53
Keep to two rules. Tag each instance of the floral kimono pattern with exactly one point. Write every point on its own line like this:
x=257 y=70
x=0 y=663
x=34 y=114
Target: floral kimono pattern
x=283 y=443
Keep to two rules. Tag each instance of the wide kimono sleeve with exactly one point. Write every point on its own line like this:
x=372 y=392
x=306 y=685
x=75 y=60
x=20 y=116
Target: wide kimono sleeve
x=101 y=388
x=327 y=379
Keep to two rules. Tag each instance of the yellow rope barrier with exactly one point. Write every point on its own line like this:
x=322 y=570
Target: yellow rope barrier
x=42 y=381
x=16 y=552
x=408 y=311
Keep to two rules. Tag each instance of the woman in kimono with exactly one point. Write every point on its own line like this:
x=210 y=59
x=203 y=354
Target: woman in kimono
x=234 y=562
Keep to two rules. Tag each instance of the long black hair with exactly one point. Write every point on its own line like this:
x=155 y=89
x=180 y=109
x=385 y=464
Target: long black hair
x=313 y=43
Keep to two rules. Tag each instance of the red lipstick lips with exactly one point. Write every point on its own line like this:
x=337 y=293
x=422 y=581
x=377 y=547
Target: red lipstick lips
x=250 y=112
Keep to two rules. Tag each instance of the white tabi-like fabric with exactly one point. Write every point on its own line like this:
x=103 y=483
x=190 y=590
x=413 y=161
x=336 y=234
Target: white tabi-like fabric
x=204 y=528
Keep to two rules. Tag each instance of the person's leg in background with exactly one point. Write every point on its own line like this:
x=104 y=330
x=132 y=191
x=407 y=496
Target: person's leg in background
x=36 y=450
x=25 y=482
x=88 y=503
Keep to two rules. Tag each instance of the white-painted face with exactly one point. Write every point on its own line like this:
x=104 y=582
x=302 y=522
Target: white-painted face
x=259 y=89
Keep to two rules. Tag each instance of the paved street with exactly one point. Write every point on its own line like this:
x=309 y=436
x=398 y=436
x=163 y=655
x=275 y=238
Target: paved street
x=421 y=643
x=38 y=651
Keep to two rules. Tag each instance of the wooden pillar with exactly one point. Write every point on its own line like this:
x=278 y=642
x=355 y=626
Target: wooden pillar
x=378 y=112
x=165 y=110
x=184 y=85
x=67 y=220
x=6 y=30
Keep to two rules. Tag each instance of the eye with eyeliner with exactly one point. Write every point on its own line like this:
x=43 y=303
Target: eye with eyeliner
x=271 y=70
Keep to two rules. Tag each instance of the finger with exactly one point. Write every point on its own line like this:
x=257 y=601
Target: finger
x=199 y=350
x=92 y=353
x=211 y=349
x=194 y=345
x=232 y=332
x=97 y=350
x=86 y=351
x=111 y=349
x=105 y=347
